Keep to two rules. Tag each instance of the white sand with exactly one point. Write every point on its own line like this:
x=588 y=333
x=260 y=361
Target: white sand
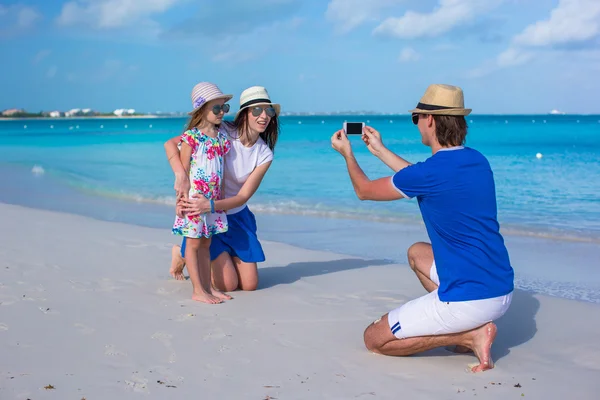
x=88 y=307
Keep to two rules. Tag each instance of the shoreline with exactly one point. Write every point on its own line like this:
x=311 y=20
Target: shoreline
x=117 y=326
x=539 y=262
x=184 y=115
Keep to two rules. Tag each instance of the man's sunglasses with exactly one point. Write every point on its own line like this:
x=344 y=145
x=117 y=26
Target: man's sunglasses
x=257 y=111
x=218 y=108
x=415 y=119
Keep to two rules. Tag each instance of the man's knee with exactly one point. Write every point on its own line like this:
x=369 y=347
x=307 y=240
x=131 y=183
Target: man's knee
x=376 y=335
x=417 y=253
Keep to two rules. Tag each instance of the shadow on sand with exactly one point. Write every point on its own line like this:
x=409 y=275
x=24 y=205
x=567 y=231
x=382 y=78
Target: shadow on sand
x=518 y=325
x=273 y=276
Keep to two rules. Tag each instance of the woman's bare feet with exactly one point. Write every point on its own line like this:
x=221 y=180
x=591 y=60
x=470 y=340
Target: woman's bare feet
x=177 y=263
x=483 y=338
x=206 y=298
x=221 y=295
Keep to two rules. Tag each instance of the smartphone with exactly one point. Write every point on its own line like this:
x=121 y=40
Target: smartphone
x=354 y=128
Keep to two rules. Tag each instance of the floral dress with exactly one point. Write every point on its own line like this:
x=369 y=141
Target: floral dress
x=206 y=173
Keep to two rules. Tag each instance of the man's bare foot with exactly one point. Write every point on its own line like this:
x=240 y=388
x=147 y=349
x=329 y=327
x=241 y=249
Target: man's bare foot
x=221 y=295
x=482 y=346
x=177 y=263
x=206 y=298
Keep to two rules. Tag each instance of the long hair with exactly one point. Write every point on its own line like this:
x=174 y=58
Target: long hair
x=196 y=118
x=270 y=135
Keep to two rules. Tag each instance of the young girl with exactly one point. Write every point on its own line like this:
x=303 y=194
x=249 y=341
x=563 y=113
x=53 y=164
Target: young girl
x=203 y=146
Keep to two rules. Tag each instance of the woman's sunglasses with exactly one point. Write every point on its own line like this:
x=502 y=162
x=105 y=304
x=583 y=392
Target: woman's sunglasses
x=218 y=108
x=257 y=111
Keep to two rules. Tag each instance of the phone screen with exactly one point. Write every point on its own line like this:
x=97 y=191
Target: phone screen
x=354 y=128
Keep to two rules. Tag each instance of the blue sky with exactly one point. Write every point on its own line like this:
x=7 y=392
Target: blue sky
x=511 y=56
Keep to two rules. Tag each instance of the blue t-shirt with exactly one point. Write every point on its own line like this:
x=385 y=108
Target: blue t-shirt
x=457 y=197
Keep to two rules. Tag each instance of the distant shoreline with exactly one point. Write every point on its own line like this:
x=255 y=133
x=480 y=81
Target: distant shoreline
x=281 y=116
x=85 y=117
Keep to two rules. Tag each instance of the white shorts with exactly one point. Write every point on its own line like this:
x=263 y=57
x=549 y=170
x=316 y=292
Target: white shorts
x=428 y=315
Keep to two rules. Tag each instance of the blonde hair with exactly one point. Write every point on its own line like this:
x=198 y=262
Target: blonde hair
x=196 y=117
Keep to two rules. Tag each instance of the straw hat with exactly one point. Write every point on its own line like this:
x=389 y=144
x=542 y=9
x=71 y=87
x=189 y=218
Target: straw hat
x=204 y=92
x=256 y=95
x=442 y=100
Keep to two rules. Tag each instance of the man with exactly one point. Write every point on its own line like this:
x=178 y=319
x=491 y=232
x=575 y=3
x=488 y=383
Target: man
x=470 y=279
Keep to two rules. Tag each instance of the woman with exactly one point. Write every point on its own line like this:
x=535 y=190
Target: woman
x=253 y=135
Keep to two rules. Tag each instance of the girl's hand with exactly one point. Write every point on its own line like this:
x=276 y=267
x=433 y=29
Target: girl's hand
x=196 y=205
x=182 y=186
x=179 y=211
x=372 y=139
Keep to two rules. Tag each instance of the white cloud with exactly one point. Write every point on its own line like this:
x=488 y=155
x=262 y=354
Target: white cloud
x=52 y=71
x=408 y=54
x=17 y=18
x=512 y=57
x=570 y=22
x=349 y=14
x=445 y=17
x=27 y=16
x=107 y=14
x=42 y=54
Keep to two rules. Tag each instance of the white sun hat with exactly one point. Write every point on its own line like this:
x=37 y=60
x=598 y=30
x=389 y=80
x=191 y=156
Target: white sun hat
x=256 y=95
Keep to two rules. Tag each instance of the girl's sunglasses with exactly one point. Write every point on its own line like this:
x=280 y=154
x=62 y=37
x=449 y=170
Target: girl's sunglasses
x=218 y=108
x=257 y=111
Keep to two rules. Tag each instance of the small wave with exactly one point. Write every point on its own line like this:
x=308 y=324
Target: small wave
x=38 y=170
x=319 y=210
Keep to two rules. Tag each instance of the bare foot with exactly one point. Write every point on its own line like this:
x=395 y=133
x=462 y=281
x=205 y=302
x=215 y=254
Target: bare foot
x=482 y=346
x=206 y=298
x=221 y=295
x=177 y=263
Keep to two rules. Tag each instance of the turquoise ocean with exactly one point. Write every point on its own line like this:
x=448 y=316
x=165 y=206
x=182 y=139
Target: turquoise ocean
x=547 y=171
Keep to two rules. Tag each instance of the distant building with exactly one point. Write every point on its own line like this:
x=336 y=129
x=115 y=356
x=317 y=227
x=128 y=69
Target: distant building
x=75 y=112
x=12 y=111
x=55 y=114
x=123 y=111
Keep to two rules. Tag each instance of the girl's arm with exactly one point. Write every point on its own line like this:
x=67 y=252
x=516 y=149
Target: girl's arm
x=185 y=158
x=198 y=204
x=182 y=182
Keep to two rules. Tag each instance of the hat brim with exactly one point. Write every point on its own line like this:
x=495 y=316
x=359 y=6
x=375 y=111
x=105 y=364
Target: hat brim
x=227 y=97
x=447 y=111
x=276 y=106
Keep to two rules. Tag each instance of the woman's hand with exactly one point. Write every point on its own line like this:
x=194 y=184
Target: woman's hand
x=341 y=144
x=196 y=205
x=372 y=139
x=182 y=186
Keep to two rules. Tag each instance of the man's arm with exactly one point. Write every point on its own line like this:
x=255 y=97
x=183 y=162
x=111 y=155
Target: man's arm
x=378 y=190
x=392 y=160
x=372 y=139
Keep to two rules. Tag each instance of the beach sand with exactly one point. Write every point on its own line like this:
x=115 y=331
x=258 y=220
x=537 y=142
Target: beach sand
x=88 y=310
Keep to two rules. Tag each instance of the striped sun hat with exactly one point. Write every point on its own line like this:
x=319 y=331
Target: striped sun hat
x=204 y=92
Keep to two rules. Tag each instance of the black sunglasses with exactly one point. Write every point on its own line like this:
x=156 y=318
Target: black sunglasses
x=257 y=111
x=415 y=119
x=218 y=108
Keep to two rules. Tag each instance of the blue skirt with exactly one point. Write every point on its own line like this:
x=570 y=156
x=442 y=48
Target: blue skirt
x=239 y=241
